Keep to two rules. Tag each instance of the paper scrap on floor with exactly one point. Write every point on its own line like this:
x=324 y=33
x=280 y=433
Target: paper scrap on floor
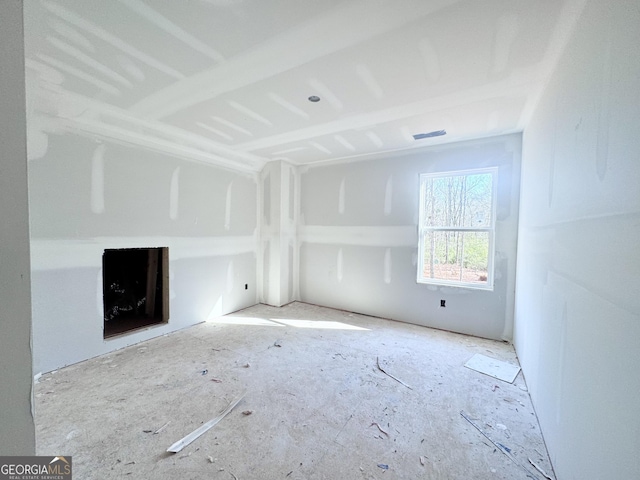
x=494 y=368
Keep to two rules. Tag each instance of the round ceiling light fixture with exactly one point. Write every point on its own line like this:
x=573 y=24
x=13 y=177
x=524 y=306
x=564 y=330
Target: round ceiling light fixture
x=314 y=98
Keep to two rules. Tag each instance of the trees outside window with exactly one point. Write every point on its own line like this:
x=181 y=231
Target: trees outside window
x=457 y=228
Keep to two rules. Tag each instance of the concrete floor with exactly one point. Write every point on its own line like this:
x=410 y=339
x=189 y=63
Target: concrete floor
x=315 y=393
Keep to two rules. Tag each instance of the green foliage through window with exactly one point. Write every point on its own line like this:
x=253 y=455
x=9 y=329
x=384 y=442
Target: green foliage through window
x=457 y=228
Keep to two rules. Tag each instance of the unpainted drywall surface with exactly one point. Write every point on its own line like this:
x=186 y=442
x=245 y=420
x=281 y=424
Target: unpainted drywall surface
x=358 y=234
x=87 y=196
x=279 y=185
x=17 y=430
x=577 y=321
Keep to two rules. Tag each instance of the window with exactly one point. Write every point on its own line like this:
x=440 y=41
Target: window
x=457 y=228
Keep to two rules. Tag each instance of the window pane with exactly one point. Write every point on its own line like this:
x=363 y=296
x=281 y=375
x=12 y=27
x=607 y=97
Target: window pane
x=456 y=256
x=458 y=201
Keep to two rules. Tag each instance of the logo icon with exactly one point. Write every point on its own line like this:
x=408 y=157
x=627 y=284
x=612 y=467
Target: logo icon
x=35 y=468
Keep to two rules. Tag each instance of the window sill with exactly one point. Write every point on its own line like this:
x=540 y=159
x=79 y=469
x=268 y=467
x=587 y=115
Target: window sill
x=468 y=286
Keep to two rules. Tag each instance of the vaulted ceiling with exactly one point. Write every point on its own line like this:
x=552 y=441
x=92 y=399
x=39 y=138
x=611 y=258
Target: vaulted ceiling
x=228 y=81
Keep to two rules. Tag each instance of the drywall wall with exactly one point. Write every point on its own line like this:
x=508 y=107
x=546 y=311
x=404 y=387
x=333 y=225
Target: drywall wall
x=88 y=195
x=16 y=416
x=358 y=238
x=577 y=321
x=277 y=271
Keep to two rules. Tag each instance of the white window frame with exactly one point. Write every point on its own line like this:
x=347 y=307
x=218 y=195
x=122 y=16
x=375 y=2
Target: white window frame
x=422 y=230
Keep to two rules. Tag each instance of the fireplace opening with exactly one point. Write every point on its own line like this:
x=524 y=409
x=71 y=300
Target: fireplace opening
x=135 y=289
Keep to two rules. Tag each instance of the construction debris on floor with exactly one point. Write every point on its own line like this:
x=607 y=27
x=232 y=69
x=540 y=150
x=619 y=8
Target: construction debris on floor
x=342 y=396
x=494 y=368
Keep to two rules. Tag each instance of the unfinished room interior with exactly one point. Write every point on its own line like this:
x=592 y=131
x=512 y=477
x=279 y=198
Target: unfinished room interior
x=321 y=239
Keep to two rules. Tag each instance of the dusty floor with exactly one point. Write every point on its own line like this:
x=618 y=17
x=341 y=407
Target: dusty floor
x=316 y=394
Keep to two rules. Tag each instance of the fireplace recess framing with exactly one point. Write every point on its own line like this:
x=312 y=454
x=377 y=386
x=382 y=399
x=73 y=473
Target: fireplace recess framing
x=135 y=286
